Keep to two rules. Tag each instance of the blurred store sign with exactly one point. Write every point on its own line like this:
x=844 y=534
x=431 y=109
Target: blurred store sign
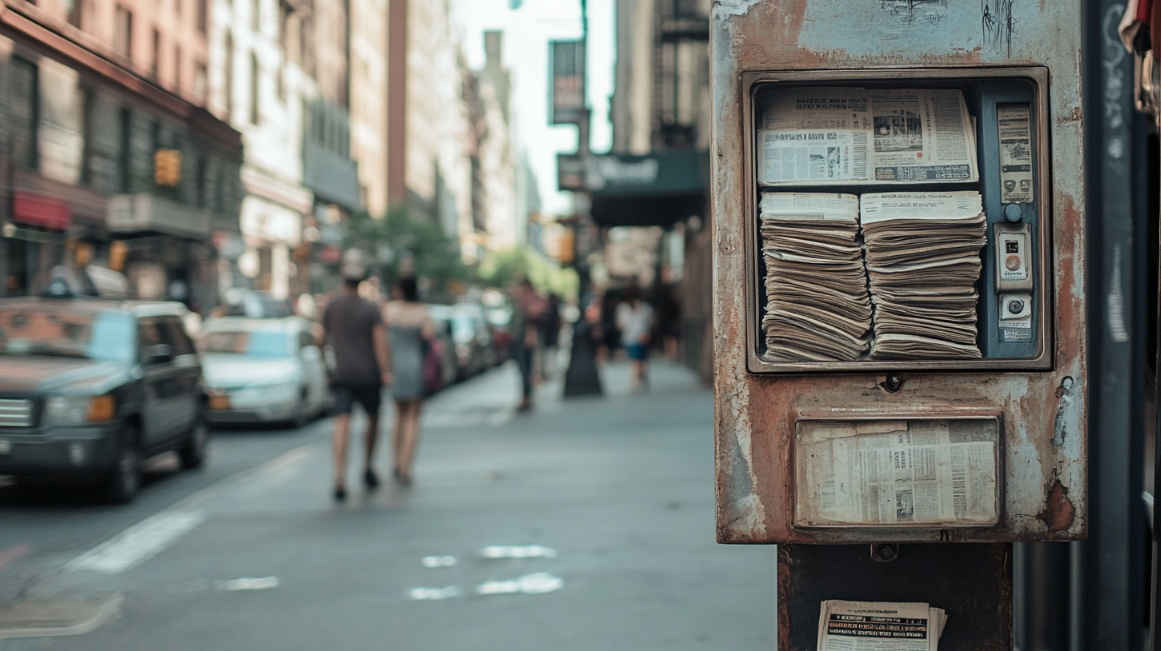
x=41 y=210
x=568 y=82
x=229 y=245
x=269 y=221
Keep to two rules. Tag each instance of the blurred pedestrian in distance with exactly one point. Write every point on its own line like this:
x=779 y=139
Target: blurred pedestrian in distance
x=635 y=321
x=669 y=321
x=355 y=331
x=526 y=318
x=549 y=336
x=412 y=330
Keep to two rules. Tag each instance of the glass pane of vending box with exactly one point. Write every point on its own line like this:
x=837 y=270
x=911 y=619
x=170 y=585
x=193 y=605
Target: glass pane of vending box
x=900 y=221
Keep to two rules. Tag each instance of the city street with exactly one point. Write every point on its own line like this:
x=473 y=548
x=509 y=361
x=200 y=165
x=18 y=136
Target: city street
x=609 y=500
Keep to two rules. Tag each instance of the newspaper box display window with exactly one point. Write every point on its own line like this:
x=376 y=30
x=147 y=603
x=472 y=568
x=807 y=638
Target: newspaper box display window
x=899 y=223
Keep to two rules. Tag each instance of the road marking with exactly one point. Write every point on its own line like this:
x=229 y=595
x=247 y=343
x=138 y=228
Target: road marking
x=149 y=537
x=13 y=553
x=138 y=543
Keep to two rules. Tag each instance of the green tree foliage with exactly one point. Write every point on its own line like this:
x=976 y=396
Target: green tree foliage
x=506 y=268
x=388 y=242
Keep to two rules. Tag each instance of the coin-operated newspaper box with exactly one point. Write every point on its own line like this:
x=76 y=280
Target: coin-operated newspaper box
x=899 y=304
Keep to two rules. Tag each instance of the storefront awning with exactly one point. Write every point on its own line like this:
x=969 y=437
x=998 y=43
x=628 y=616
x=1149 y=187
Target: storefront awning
x=657 y=189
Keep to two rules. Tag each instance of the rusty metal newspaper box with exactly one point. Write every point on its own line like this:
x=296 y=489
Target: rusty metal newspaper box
x=899 y=324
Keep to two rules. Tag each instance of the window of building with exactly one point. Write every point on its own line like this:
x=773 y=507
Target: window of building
x=256 y=15
x=155 y=58
x=76 y=8
x=177 y=69
x=200 y=179
x=125 y=154
x=123 y=32
x=280 y=84
x=24 y=112
x=177 y=7
x=229 y=81
x=199 y=88
x=254 y=114
x=88 y=128
x=203 y=10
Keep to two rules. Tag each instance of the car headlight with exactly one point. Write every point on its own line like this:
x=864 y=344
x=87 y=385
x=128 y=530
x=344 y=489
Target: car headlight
x=79 y=410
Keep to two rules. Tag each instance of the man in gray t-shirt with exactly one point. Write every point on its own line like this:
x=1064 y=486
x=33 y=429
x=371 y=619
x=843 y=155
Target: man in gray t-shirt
x=355 y=330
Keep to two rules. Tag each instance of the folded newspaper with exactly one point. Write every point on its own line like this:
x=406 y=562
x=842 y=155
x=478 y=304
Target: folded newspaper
x=854 y=135
x=817 y=307
x=879 y=626
x=897 y=473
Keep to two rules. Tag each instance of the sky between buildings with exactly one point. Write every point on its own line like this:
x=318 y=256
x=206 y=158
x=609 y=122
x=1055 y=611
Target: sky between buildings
x=527 y=31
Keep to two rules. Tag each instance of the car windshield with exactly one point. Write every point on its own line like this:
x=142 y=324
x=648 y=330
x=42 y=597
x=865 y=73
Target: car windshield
x=47 y=332
x=252 y=343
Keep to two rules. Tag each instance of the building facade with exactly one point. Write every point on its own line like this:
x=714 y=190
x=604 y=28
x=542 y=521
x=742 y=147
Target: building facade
x=661 y=121
x=106 y=153
x=266 y=61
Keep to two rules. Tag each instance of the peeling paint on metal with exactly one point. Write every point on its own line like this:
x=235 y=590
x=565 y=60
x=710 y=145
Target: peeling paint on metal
x=733 y=7
x=1058 y=512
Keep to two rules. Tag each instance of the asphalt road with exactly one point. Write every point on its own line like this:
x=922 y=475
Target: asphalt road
x=614 y=495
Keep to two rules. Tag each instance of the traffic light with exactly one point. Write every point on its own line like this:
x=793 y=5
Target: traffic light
x=167 y=168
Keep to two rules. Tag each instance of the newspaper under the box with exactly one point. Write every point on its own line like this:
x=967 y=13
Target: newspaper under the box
x=929 y=472
x=855 y=135
x=879 y=626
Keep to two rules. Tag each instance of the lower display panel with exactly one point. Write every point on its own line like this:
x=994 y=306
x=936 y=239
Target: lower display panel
x=898 y=473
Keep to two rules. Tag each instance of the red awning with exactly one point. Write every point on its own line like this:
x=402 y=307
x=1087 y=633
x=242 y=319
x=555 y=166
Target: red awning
x=41 y=210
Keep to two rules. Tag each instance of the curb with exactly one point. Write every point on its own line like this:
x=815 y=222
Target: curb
x=57 y=618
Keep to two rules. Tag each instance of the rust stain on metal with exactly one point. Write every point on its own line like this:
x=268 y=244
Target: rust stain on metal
x=1059 y=512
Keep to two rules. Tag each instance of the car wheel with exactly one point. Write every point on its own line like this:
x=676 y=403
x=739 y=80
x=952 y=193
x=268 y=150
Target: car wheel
x=193 y=453
x=123 y=482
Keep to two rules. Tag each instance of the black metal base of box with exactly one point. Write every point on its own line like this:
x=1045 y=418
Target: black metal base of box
x=971 y=582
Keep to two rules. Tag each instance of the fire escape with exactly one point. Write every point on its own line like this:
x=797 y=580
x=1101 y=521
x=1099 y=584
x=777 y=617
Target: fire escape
x=681 y=39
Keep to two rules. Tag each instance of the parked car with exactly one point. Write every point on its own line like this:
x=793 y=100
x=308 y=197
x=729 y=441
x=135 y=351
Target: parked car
x=470 y=335
x=90 y=387
x=500 y=319
x=256 y=305
x=263 y=370
x=449 y=367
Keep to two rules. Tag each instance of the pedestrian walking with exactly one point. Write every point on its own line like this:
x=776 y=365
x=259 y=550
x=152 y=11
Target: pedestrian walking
x=353 y=326
x=530 y=308
x=412 y=331
x=550 y=337
x=635 y=321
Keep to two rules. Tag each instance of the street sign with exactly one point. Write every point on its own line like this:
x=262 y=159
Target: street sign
x=567 y=102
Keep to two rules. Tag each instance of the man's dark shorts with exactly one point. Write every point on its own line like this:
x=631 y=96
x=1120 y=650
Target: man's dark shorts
x=369 y=396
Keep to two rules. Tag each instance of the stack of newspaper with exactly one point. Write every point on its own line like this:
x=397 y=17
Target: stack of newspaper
x=923 y=260
x=817 y=304
x=879 y=625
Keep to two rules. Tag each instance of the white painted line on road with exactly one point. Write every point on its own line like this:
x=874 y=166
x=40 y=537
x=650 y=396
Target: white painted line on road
x=433 y=594
x=515 y=551
x=149 y=537
x=134 y=545
x=537 y=583
x=439 y=561
x=247 y=583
